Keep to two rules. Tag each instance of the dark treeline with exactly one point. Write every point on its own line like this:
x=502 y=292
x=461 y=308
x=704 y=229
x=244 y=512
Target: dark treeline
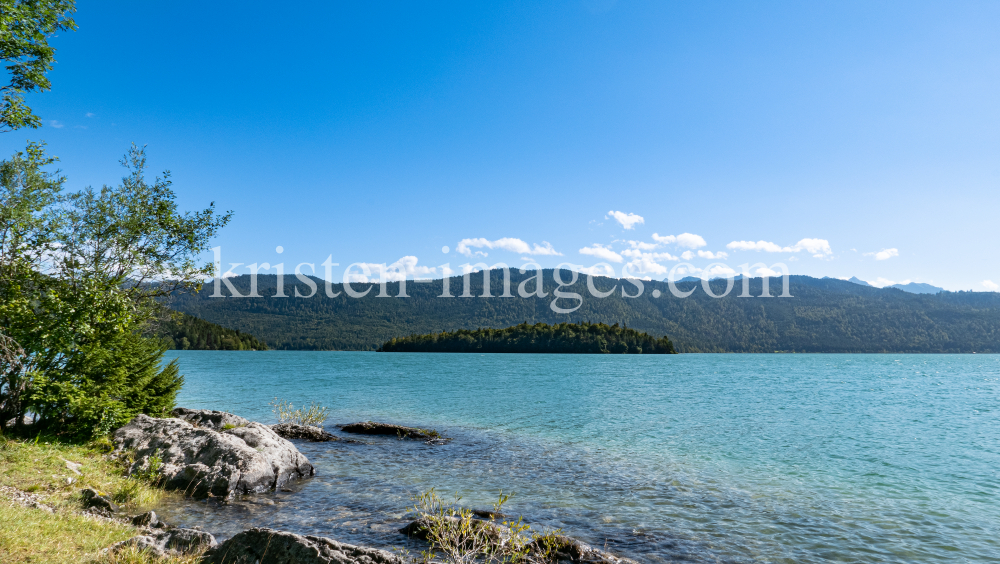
x=185 y=332
x=825 y=315
x=564 y=338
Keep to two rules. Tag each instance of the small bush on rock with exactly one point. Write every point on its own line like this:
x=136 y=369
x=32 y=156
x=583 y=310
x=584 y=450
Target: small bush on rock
x=314 y=415
x=463 y=539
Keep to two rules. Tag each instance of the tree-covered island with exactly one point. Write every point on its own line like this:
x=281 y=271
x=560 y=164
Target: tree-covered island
x=564 y=338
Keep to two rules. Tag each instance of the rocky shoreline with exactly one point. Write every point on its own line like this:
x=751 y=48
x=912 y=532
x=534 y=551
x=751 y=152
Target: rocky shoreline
x=206 y=454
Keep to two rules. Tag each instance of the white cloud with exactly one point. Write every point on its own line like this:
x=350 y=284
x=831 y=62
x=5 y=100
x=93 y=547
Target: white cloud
x=90 y=114
x=765 y=246
x=689 y=240
x=711 y=255
x=763 y=271
x=816 y=247
x=683 y=271
x=717 y=271
x=511 y=244
x=642 y=245
x=687 y=255
x=883 y=282
x=819 y=248
x=645 y=265
x=884 y=254
x=597 y=270
x=635 y=253
x=991 y=285
x=601 y=252
x=56 y=124
x=399 y=270
x=628 y=220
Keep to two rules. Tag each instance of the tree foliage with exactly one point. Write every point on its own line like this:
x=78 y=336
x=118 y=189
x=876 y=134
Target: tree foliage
x=186 y=332
x=564 y=338
x=25 y=28
x=79 y=275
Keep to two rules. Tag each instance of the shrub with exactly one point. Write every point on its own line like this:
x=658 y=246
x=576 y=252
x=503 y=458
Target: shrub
x=464 y=539
x=314 y=415
x=105 y=385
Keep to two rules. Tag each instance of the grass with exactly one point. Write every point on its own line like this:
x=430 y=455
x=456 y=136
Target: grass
x=314 y=415
x=31 y=535
x=39 y=466
x=430 y=433
x=68 y=536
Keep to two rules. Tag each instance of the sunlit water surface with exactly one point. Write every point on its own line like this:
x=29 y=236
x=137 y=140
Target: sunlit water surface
x=698 y=458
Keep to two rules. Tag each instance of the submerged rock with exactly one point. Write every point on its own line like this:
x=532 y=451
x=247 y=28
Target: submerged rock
x=214 y=420
x=420 y=528
x=373 y=428
x=307 y=432
x=173 y=542
x=203 y=462
x=559 y=548
x=488 y=514
x=268 y=546
x=549 y=548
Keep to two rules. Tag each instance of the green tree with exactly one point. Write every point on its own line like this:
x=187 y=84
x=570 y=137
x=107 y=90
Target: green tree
x=25 y=28
x=28 y=232
x=79 y=276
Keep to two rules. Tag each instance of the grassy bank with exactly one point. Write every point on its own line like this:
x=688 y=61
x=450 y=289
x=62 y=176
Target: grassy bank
x=38 y=469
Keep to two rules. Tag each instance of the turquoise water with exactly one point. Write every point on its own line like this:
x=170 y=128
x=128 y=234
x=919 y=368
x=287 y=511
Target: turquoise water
x=701 y=458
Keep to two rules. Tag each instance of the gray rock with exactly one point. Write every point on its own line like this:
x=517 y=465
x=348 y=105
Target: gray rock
x=171 y=542
x=24 y=498
x=420 y=528
x=488 y=514
x=92 y=499
x=373 y=428
x=214 y=420
x=148 y=519
x=307 y=432
x=559 y=548
x=552 y=548
x=267 y=546
x=417 y=529
x=203 y=462
x=73 y=467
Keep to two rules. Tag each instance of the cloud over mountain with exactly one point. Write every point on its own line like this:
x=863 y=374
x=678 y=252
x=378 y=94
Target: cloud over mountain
x=511 y=244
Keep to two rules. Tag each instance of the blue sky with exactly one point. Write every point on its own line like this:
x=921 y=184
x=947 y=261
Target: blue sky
x=373 y=132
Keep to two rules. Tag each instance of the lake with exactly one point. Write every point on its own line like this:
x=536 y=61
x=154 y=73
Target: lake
x=698 y=458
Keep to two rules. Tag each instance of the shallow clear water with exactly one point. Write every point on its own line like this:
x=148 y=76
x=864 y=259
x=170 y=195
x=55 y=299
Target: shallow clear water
x=701 y=458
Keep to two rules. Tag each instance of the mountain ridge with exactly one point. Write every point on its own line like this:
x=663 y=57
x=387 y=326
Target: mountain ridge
x=824 y=315
x=911 y=287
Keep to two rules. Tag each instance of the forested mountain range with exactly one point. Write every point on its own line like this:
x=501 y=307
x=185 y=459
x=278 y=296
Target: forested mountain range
x=186 y=332
x=823 y=315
